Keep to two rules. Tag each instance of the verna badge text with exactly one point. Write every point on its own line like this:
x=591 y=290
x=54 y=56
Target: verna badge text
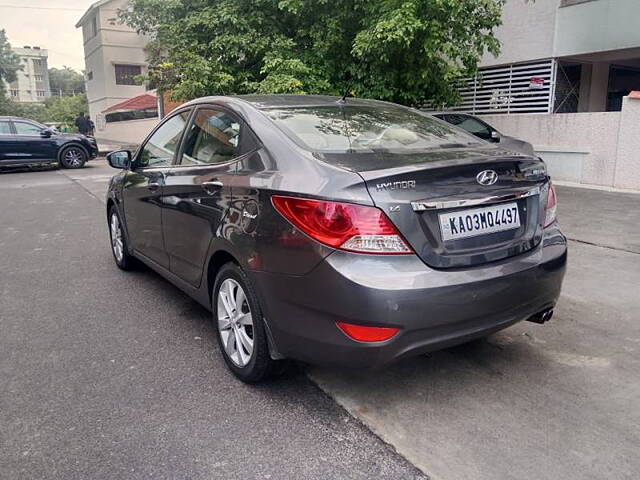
x=404 y=185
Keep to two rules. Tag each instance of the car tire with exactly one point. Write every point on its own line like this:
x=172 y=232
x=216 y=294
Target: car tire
x=237 y=325
x=119 y=247
x=73 y=156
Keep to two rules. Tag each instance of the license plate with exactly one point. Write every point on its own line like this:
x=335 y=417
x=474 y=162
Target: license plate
x=479 y=221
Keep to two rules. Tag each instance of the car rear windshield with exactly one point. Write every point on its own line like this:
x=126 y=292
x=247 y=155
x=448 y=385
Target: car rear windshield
x=347 y=128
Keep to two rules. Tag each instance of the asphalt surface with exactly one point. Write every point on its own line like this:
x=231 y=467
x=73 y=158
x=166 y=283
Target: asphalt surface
x=109 y=375
x=544 y=402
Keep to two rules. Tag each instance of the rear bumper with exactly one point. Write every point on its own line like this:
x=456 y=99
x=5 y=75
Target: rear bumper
x=434 y=309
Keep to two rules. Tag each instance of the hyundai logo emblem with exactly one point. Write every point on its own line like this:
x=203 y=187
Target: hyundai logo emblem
x=487 y=177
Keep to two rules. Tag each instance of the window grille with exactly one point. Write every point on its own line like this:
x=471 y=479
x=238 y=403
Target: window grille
x=514 y=88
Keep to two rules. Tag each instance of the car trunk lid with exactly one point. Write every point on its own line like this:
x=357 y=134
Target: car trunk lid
x=432 y=202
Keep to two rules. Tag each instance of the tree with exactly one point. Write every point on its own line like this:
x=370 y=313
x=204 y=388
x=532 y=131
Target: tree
x=407 y=51
x=66 y=81
x=62 y=110
x=65 y=109
x=9 y=62
x=25 y=110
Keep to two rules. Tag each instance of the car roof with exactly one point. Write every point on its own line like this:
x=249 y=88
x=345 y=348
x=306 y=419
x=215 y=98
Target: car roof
x=22 y=119
x=286 y=101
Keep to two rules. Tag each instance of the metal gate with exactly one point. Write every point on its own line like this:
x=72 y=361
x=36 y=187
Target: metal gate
x=515 y=88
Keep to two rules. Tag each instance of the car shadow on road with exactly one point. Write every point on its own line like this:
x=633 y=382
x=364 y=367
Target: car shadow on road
x=29 y=169
x=508 y=356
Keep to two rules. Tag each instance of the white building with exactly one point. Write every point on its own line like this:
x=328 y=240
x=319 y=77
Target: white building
x=559 y=82
x=32 y=84
x=583 y=54
x=114 y=59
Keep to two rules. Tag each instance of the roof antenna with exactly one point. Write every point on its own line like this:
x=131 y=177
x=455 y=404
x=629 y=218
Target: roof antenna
x=343 y=99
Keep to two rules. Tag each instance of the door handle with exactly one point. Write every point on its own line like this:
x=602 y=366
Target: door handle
x=212 y=187
x=153 y=186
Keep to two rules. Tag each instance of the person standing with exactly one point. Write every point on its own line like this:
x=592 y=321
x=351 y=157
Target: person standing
x=92 y=127
x=83 y=124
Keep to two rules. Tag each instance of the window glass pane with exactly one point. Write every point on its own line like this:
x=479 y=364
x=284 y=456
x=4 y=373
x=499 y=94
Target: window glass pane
x=214 y=137
x=131 y=115
x=27 y=129
x=126 y=74
x=161 y=147
x=343 y=129
x=5 y=128
x=470 y=124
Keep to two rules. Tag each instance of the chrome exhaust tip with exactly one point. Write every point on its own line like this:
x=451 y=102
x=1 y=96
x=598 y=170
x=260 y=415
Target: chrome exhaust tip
x=541 y=317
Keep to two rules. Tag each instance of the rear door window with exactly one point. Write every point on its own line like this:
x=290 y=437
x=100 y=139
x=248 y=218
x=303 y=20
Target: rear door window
x=216 y=136
x=213 y=138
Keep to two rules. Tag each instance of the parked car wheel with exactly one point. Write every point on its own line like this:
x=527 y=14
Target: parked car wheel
x=240 y=326
x=73 y=157
x=123 y=260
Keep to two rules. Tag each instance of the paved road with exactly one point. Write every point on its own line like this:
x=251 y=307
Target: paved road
x=559 y=401
x=108 y=375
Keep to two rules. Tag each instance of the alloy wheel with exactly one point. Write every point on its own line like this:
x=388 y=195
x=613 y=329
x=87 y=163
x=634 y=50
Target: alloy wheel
x=73 y=157
x=235 y=322
x=116 y=238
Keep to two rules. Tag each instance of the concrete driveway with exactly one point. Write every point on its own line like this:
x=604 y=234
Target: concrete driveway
x=554 y=401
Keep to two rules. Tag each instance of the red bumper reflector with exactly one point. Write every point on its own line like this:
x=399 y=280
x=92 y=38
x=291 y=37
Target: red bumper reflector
x=367 y=334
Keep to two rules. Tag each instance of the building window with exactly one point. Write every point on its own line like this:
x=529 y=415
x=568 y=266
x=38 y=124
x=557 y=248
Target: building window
x=38 y=66
x=15 y=93
x=131 y=115
x=40 y=93
x=39 y=78
x=126 y=74
x=89 y=76
x=90 y=29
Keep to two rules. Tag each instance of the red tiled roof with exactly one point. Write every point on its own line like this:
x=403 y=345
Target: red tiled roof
x=141 y=102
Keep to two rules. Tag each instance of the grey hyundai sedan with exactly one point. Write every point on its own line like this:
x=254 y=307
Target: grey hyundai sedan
x=337 y=231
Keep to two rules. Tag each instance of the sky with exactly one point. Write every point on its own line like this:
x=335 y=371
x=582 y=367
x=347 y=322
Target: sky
x=48 y=24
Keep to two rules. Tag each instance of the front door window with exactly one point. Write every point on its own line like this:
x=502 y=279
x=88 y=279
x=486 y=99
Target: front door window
x=24 y=128
x=471 y=125
x=163 y=144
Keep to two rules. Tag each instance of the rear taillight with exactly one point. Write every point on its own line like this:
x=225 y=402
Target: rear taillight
x=552 y=206
x=362 y=333
x=347 y=226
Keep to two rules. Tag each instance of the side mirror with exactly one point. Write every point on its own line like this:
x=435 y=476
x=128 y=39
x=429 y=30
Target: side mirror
x=46 y=133
x=120 y=159
x=495 y=136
